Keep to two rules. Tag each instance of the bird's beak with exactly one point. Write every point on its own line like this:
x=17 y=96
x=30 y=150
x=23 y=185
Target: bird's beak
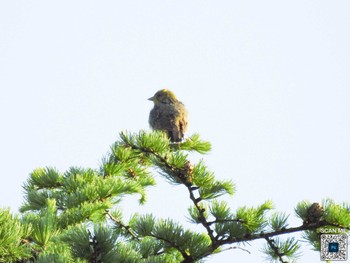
x=151 y=99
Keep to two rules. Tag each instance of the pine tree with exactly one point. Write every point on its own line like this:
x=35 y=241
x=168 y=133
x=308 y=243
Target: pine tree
x=74 y=216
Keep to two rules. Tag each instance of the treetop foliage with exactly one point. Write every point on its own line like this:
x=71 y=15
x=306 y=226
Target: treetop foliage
x=75 y=216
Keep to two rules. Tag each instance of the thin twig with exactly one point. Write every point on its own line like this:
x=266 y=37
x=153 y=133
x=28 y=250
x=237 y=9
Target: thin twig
x=275 y=249
x=226 y=221
x=201 y=217
x=235 y=247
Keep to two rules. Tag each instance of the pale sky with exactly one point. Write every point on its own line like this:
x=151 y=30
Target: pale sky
x=266 y=82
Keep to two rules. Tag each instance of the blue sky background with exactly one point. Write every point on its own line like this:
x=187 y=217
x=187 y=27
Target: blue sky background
x=266 y=82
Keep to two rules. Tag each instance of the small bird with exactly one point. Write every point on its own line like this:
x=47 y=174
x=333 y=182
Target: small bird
x=168 y=115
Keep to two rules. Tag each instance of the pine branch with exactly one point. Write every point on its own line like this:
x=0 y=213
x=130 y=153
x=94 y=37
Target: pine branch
x=187 y=258
x=163 y=160
x=304 y=227
x=95 y=248
x=179 y=173
x=201 y=217
x=127 y=228
x=275 y=249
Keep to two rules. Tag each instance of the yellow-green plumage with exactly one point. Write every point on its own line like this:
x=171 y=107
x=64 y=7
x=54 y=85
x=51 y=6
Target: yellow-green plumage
x=168 y=115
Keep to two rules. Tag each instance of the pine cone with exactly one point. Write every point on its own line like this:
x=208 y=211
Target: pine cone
x=188 y=170
x=314 y=213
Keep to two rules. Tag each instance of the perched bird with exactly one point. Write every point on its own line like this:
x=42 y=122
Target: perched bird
x=168 y=115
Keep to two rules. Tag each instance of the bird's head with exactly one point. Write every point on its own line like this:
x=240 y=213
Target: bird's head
x=163 y=96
